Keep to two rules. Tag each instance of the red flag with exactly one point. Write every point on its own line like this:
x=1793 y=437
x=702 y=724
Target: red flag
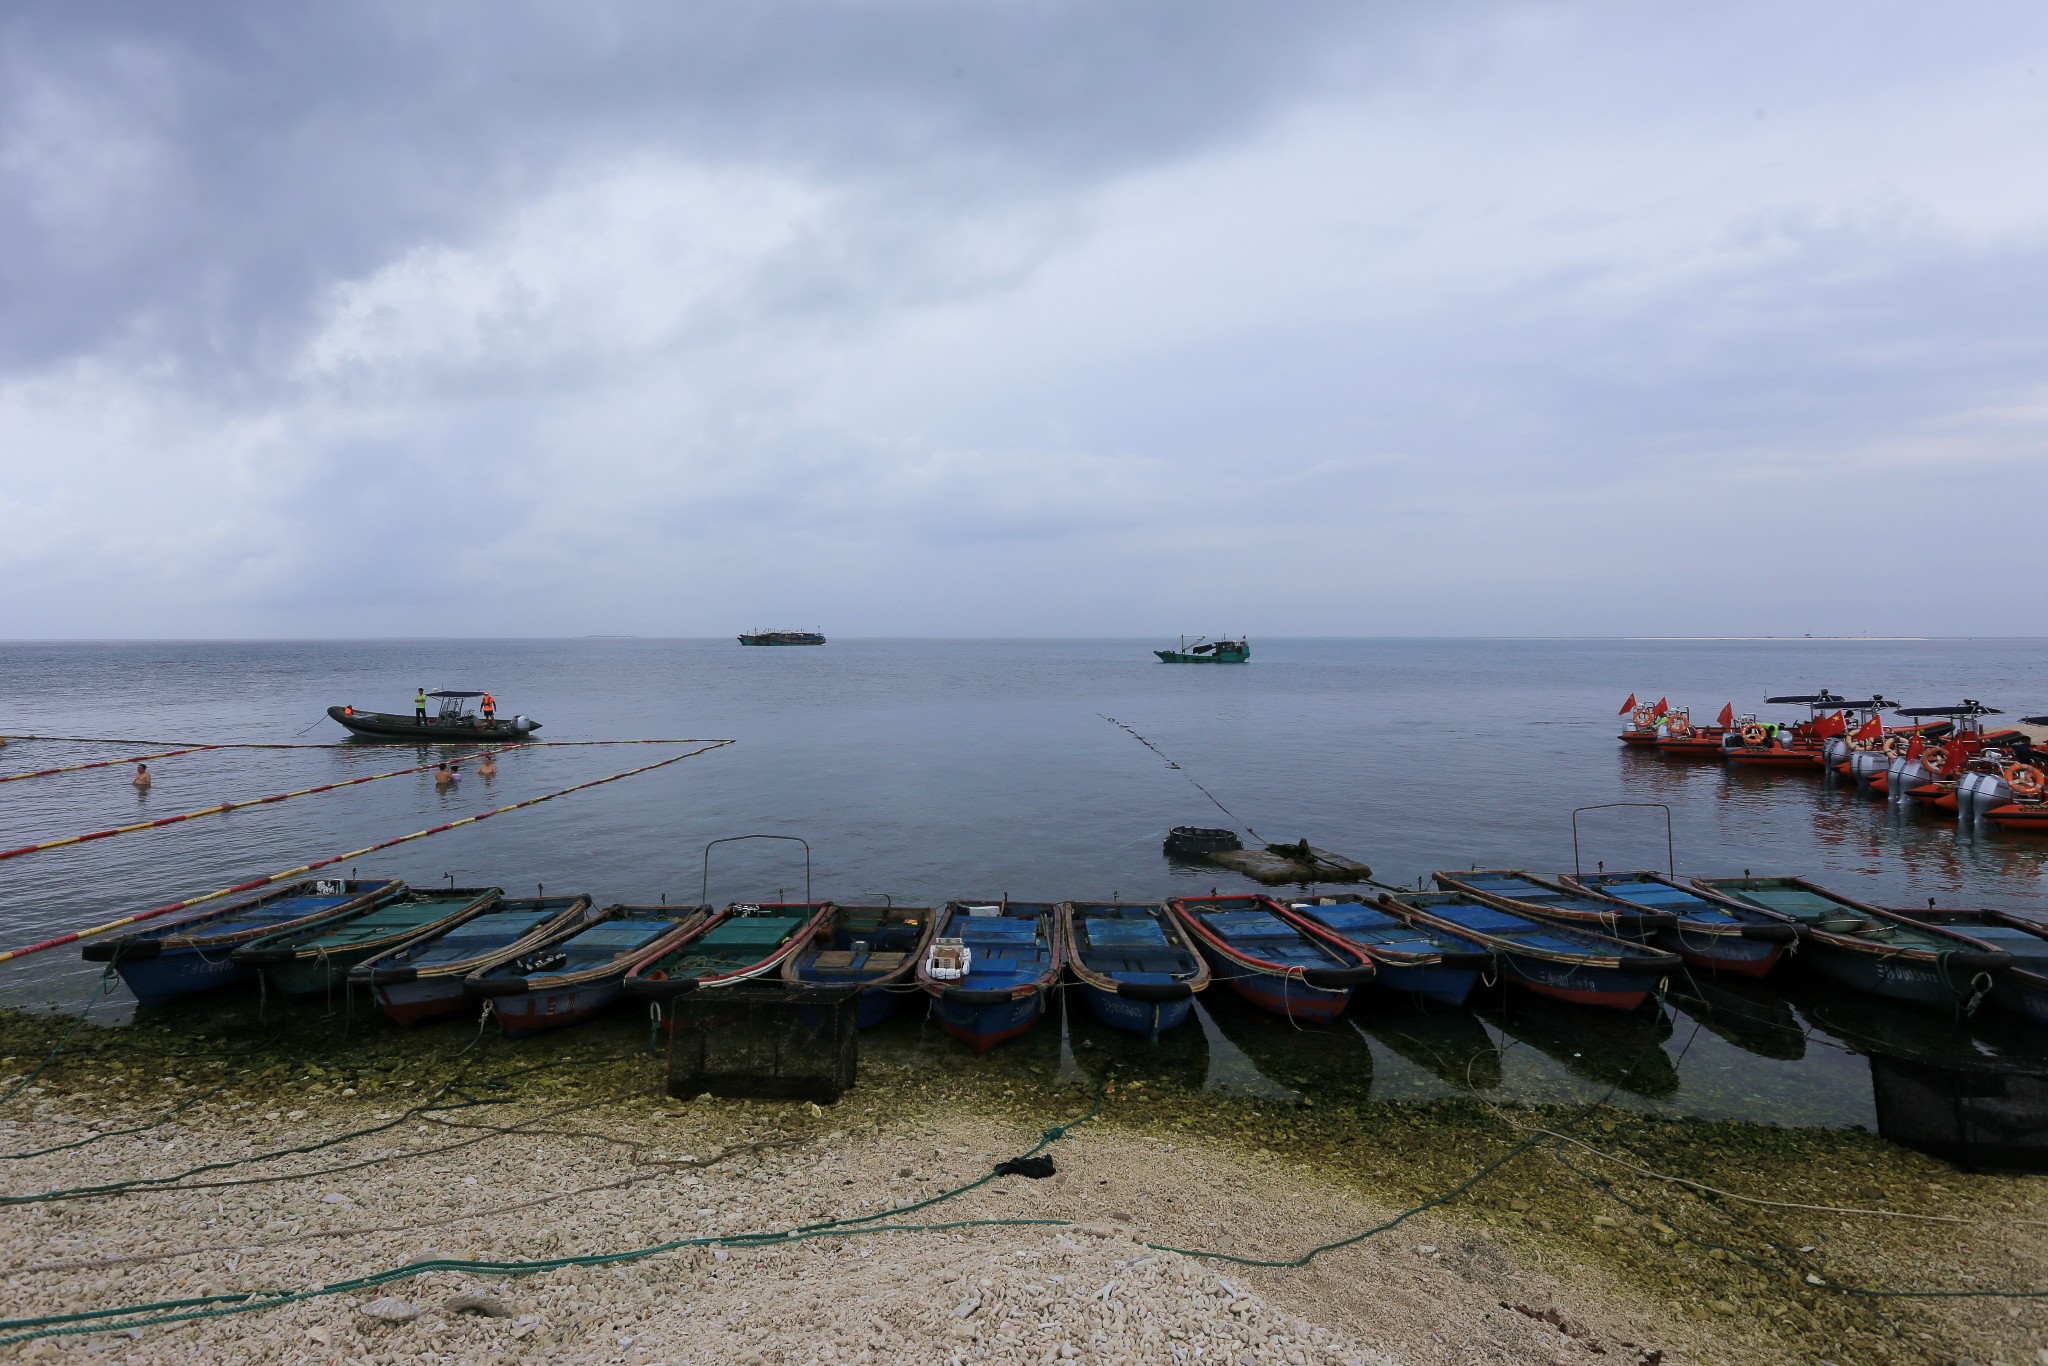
x=1727 y=716
x=1831 y=725
x=1663 y=705
x=1627 y=706
x=1873 y=729
x=1913 y=750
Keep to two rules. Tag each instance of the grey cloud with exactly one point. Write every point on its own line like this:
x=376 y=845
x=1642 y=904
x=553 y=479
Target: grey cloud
x=186 y=177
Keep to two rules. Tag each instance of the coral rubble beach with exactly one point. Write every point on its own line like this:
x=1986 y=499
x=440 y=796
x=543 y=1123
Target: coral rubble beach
x=577 y=1152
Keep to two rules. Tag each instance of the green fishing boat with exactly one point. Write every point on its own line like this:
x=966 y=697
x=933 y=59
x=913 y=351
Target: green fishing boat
x=310 y=959
x=739 y=944
x=1870 y=949
x=1206 y=651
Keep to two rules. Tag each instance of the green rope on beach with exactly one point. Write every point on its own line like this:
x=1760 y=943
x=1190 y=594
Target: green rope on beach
x=433 y=1104
x=77 y=1024
x=218 y=1306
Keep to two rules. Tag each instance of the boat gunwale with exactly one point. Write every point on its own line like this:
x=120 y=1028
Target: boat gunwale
x=1195 y=981
x=166 y=941
x=967 y=995
x=1689 y=924
x=642 y=987
x=479 y=983
x=261 y=953
x=1635 y=958
x=2000 y=958
x=367 y=971
x=1358 y=962
x=1480 y=957
x=1645 y=919
x=894 y=977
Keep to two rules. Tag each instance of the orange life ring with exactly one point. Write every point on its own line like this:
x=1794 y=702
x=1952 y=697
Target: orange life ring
x=1753 y=735
x=1935 y=757
x=2026 y=780
x=1680 y=727
x=1645 y=719
x=1895 y=745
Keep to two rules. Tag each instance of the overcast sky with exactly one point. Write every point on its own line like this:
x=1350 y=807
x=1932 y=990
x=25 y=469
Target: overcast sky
x=1044 y=317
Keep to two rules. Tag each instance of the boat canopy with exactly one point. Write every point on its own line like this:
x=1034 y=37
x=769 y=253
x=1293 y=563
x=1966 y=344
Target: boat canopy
x=2034 y=720
x=451 y=693
x=1966 y=708
x=1874 y=702
x=1823 y=698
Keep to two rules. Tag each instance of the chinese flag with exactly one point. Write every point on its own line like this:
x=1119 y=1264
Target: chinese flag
x=1831 y=725
x=1873 y=729
x=1913 y=750
x=1627 y=706
x=1663 y=705
x=1727 y=716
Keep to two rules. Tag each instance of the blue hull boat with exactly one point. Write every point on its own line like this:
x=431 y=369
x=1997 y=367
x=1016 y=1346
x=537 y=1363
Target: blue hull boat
x=873 y=947
x=1511 y=889
x=1418 y=959
x=1138 y=971
x=2021 y=987
x=1269 y=960
x=1553 y=960
x=1715 y=934
x=997 y=988
x=165 y=962
x=580 y=971
x=422 y=978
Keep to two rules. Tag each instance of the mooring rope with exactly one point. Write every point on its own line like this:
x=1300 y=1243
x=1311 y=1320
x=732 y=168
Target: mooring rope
x=123 y=922
x=1246 y=825
x=225 y=807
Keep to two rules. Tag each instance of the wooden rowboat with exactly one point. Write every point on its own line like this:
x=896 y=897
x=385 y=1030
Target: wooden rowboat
x=580 y=970
x=1137 y=970
x=421 y=979
x=315 y=958
x=1014 y=954
x=1263 y=955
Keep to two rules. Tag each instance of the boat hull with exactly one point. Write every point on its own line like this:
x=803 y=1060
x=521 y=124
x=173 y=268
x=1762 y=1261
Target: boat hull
x=179 y=972
x=1278 y=993
x=299 y=978
x=416 y=1002
x=530 y=1012
x=377 y=725
x=1177 y=657
x=1146 y=1018
x=1776 y=758
x=1894 y=976
x=1721 y=952
x=1614 y=988
x=1441 y=982
x=981 y=1025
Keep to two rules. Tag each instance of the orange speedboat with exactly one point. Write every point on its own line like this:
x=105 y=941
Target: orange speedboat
x=2026 y=775
x=1927 y=771
x=1642 y=721
x=1767 y=744
x=1679 y=736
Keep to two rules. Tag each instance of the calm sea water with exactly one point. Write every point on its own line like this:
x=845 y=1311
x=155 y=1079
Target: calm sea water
x=923 y=770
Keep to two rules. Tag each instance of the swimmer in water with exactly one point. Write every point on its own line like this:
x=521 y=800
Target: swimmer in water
x=445 y=776
x=487 y=767
x=142 y=777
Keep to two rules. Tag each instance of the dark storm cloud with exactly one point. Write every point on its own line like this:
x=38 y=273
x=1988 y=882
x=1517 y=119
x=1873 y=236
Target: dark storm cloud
x=183 y=178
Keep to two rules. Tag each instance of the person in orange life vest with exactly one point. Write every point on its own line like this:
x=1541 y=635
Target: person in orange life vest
x=490 y=709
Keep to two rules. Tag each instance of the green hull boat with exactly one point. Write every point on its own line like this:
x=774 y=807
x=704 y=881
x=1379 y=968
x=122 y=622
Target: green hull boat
x=1869 y=949
x=739 y=944
x=313 y=958
x=1207 y=652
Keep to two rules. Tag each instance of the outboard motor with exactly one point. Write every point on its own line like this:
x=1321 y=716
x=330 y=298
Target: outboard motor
x=1836 y=752
x=1866 y=764
x=1983 y=785
x=1903 y=774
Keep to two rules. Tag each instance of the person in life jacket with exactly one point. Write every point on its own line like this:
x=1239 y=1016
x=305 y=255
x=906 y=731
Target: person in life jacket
x=419 y=706
x=490 y=709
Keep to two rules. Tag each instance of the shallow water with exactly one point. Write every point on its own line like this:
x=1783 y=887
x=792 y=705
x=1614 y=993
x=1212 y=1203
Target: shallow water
x=922 y=770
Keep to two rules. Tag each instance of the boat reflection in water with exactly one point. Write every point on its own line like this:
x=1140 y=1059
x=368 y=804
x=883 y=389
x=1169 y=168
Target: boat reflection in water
x=1450 y=1045
x=1754 y=1017
x=1179 y=1061
x=1332 y=1064
x=1622 y=1049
